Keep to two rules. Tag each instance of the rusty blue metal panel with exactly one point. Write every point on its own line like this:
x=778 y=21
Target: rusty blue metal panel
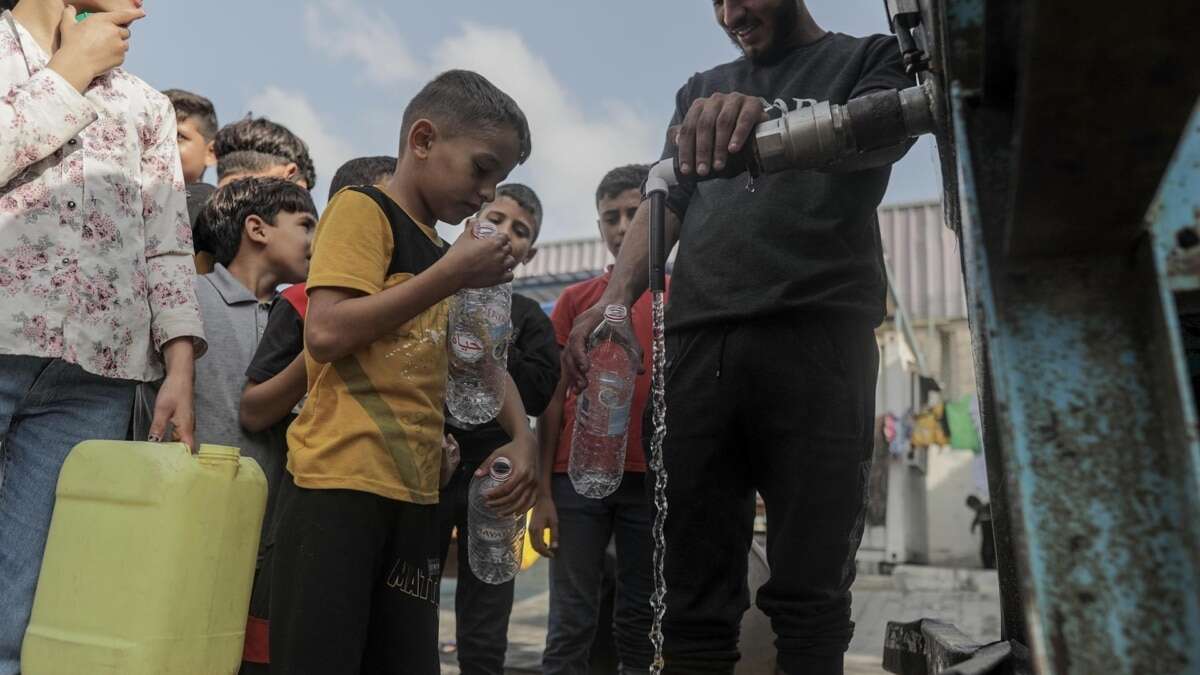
x=1174 y=216
x=1098 y=442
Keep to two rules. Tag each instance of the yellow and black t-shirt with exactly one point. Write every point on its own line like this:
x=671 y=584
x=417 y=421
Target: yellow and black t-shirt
x=373 y=419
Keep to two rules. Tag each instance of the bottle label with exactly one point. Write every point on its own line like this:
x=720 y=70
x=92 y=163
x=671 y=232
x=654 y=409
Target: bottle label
x=491 y=535
x=467 y=348
x=618 y=420
x=494 y=317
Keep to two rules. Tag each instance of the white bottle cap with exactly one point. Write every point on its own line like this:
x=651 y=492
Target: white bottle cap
x=616 y=312
x=501 y=469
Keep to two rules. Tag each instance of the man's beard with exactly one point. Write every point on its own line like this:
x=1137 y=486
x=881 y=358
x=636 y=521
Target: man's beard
x=783 y=22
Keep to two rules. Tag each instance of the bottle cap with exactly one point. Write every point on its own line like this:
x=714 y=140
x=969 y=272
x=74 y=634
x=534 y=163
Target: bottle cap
x=484 y=229
x=501 y=469
x=616 y=312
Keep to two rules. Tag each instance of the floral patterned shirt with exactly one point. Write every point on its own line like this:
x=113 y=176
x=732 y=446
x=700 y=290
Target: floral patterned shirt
x=95 y=247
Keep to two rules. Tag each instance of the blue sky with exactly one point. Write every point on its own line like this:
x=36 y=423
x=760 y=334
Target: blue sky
x=596 y=79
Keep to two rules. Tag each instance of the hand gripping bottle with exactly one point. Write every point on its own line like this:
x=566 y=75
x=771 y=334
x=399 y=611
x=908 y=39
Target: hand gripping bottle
x=480 y=327
x=495 y=545
x=597 y=461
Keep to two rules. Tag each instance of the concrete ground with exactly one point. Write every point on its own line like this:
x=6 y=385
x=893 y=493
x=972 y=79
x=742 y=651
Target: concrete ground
x=967 y=598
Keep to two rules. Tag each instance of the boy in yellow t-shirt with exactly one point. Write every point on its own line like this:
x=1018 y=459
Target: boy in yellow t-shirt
x=356 y=571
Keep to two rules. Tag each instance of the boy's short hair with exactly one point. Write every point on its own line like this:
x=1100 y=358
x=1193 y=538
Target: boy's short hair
x=620 y=179
x=525 y=198
x=461 y=100
x=256 y=143
x=224 y=217
x=361 y=171
x=189 y=106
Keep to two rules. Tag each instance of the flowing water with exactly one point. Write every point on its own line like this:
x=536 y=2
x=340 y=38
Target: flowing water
x=658 y=601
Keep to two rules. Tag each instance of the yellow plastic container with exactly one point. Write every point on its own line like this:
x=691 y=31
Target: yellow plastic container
x=149 y=562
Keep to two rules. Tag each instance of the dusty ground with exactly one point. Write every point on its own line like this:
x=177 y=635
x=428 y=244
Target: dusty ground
x=967 y=599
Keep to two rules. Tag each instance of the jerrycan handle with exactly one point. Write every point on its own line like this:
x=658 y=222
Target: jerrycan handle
x=219 y=457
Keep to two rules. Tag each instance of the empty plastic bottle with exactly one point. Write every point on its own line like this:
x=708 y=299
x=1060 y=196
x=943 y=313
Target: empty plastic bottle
x=494 y=548
x=597 y=461
x=480 y=327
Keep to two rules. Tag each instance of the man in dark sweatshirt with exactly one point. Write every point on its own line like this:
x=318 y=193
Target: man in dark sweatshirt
x=771 y=353
x=481 y=609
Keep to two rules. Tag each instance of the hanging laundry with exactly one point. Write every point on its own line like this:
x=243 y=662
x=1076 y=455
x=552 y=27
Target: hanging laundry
x=927 y=428
x=901 y=445
x=963 y=433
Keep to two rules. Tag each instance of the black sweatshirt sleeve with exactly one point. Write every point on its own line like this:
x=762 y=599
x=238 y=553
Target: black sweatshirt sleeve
x=533 y=358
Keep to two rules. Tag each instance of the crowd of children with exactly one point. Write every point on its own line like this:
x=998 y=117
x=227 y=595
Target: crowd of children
x=141 y=303
x=168 y=309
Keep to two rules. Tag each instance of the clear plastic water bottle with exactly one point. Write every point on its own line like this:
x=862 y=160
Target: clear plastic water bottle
x=480 y=328
x=597 y=461
x=496 y=542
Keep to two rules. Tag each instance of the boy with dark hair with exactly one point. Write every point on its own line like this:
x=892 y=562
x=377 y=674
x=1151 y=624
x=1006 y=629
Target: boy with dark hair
x=261 y=231
x=482 y=610
x=362 y=171
x=275 y=387
x=356 y=571
x=256 y=146
x=580 y=528
x=253 y=148
x=196 y=119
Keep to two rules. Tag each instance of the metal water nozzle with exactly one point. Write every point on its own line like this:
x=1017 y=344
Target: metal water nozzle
x=820 y=134
x=813 y=136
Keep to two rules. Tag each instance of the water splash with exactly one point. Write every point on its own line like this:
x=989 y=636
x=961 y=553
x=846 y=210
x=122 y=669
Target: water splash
x=658 y=601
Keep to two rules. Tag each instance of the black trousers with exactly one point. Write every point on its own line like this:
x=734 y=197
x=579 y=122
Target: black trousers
x=354 y=586
x=481 y=610
x=783 y=406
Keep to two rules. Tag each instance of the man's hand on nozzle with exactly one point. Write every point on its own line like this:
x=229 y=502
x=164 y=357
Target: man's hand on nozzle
x=92 y=47
x=714 y=128
x=575 y=363
x=480 y=263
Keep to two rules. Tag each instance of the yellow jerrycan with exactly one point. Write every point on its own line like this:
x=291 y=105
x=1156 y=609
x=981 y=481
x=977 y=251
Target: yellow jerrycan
x=149 y=562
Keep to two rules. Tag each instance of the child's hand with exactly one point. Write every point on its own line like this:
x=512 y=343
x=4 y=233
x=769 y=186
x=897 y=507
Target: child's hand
x=518 y=493
x=545 y=517
x=92 y=47
x=575 y=362
x=451 y=456
x=481 y=263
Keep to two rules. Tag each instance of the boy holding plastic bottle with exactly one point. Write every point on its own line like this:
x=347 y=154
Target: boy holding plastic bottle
x=481 y=609
x=275 y=387
x=95 y=266
x=355 y=577
x=580 y=528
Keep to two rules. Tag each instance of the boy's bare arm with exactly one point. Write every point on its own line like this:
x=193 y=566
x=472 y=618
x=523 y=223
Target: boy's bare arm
x=545 y=515
x=549 y=431
x=518 y=493
x=341 y=321
x=267 y=403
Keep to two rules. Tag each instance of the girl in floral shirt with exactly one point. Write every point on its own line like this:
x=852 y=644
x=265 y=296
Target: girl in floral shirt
x=95 y=266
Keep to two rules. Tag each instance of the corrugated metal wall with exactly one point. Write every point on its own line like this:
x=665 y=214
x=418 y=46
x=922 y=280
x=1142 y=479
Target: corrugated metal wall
x=924 y=258
x=566 y=257
x=922 y=253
